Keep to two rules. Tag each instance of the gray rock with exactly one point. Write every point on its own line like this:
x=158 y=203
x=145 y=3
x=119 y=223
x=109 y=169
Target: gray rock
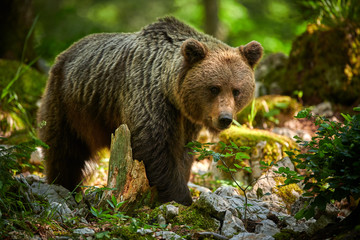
x=54 y=193
x=161 y=220
x=215 y=204
x=171 y=211
x=167 y=235
x=322 y=222
x=201 y=189
x=84 y=231
x=267 y=183
x=298 y=226
x=60 y=211
x=144 y=231
x=251 y=236
x=291 y=133
x=323 y=109
x=267 y=227
x=227 y=191
x=232 y=225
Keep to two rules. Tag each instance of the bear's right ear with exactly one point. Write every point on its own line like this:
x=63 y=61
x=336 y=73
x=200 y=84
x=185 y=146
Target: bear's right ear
x=193 y=51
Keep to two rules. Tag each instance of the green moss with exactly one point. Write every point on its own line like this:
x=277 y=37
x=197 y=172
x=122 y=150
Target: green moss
x=243 y=136
x=286 y=192
x=286 y=234
x=195 y=217
x=126 y=234
x=270 y=110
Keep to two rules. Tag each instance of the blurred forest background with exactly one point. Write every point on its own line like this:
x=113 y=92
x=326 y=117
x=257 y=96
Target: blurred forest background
x=312 y=48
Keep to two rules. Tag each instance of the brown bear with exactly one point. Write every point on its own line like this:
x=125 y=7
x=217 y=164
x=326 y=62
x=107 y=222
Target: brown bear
x=165 y=82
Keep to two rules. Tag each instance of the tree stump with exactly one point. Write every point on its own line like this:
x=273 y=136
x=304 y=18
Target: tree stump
x=127 y=177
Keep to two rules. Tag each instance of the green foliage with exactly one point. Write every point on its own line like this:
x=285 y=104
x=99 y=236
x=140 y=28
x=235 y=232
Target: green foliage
x=331 y=165
x=21 y=87
x=274 y=23
x=14 y=204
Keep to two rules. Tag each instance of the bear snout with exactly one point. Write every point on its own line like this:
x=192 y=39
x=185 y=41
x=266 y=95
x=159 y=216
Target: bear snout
x=224 y=120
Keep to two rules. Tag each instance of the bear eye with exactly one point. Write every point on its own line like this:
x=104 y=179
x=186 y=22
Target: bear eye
x=215 y=90
x=236 y=92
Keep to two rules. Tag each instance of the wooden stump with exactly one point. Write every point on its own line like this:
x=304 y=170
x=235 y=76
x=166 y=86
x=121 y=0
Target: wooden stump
x=127 y=177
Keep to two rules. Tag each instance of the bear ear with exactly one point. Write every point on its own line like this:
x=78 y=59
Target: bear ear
x=193 y=51
x=252 y=52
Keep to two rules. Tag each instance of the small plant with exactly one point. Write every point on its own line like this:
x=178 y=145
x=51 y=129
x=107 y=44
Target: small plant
x=331 y=164
x=227 y=151
x=252 y=114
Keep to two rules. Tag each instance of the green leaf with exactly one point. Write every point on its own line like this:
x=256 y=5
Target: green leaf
x=241 y=155
x=356 y=109
x=237 y=165
x=78 y=197
x=234 y=145
x=303 y=113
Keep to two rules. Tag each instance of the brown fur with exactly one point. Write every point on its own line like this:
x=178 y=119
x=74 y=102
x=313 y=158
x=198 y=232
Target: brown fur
x=165 y=82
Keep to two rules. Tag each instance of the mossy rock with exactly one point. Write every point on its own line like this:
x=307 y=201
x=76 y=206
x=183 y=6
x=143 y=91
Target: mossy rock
x=270 y=110
x=324 y=63
x=243 y=136
x=273 y=149
x=288 y=193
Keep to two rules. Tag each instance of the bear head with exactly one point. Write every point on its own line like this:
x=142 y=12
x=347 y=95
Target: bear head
x=217 y=81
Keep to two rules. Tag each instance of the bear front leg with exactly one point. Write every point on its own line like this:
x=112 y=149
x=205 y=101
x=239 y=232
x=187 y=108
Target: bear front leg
x=165 y=166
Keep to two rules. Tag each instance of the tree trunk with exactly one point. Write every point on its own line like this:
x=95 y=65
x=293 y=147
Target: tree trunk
x=16 y=20
x=212 y=26
x=127 y=177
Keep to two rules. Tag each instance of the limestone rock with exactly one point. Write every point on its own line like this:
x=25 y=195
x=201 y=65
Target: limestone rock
x=232 y=225
x=267 y=227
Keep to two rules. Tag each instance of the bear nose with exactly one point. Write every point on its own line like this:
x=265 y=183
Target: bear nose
x=225 y=120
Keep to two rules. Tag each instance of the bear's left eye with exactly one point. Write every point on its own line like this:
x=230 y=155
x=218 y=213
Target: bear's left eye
x=236 y=92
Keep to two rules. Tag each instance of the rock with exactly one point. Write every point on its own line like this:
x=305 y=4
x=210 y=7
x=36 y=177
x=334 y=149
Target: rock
x=84 y=231
x=215 y=204
x=60 y=210
x=144 y=231
x=267 y=227
x=321 y=223
x=227 y=191
x=278 y=198
x=201 y=189
x=54 y=193
x=171 y=211
x=36 y=156
x=161 y=220
x=323 y=109
x=284 y=131
x=167 y=235
x=251 y=236
x=31 y=178
x=232 y=225
x=298 y=225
